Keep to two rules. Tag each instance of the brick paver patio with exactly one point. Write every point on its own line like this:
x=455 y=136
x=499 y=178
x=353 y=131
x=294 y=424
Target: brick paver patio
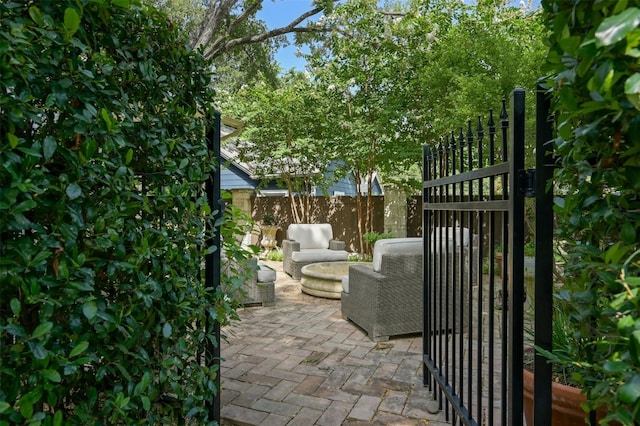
x=300 y=363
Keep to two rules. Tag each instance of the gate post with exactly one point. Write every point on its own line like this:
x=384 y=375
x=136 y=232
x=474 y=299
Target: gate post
x=212 y=262
x=544 y=259
x=516 y=295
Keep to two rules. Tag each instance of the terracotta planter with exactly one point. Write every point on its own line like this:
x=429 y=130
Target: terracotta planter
x=565 y=403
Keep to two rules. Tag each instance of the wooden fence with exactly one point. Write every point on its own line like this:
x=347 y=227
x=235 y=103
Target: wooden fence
x=339 y=211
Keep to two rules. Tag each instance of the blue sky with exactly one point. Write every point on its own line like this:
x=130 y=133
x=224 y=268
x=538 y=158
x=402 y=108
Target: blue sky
x=276 y=13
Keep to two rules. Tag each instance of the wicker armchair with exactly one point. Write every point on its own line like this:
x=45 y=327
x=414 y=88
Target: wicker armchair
x=310 y=243
x=258 y=280
x=388 y=299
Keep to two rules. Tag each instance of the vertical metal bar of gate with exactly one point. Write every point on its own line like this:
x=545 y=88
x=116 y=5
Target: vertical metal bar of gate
x=462 y=359
x=212 y=262
x=516 y=293
x=544 y=259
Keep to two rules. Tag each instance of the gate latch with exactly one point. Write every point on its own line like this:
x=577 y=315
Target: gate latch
x=528 y=182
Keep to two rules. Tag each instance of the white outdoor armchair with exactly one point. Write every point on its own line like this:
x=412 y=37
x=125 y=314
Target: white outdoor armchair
x=308 y=243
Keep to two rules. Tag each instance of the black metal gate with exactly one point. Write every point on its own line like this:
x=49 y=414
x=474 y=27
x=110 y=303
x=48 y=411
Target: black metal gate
x=474 y=191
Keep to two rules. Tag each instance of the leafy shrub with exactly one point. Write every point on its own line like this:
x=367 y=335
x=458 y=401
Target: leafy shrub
x=102 y=116
x=595 y=83
x=269 y=219
x=276 y=254
x=371 y=237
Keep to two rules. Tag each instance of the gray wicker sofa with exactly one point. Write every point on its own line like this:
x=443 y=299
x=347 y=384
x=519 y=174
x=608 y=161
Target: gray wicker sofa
x=387 y=300
x=308 y=243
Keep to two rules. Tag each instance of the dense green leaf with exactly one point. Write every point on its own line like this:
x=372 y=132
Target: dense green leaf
x=79 y=348
x=49 y=147
x=35 y=14
x=166 y=330
x=39 y=352
x=632 y=89
x=73 y=191
x=42 y=330
x=58 y=418
x=629 y=392
x=595 y=97
x=13 y=140
x=51 y=375
x=634 y=345
x=71 y=20
x=616 y=27
x=146 y=402
x=15 y=330
x=90 y=309
x=94 y=221
x=628 y=233
x=16 y=307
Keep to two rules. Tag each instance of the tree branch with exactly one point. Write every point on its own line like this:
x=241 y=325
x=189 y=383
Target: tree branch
x=215 y=33
x=262 y=37
x=391 y=14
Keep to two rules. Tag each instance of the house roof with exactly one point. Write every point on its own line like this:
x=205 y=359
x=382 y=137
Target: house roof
x=230 y=127
x=232 y=152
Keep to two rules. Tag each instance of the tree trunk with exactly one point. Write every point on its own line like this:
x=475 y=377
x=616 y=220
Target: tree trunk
x=358 y=179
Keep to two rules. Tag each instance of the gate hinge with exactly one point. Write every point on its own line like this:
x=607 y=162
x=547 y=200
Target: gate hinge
x=528 y=182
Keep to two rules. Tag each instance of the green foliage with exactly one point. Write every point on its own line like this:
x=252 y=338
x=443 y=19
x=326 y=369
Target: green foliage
x=269 y=219
x=594 y=68
x=371 y=237
x=476 y=55
x=566 y=346
x=285 y=125
x=419 y=71
x=103 y=311
x=405 y=76
x=276 y=254
x=187 y=14
x=623 y=366
x=530 y=249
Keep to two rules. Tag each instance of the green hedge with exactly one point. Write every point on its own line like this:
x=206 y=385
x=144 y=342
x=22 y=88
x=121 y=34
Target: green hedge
x=593 y=60
x=102 y=213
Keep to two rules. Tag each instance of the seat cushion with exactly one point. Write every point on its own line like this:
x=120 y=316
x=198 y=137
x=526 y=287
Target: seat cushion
x=311 y=235
x=265 y=273
x=319 y=255
x=447 y=234
x=345 y=283
x=394 y=245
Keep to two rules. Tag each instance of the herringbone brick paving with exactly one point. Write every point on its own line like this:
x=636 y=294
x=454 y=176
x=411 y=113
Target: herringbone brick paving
x=300 y=363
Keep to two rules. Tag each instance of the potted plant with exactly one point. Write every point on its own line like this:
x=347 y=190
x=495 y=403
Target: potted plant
x=595 y=372
x=567 y=397
x=269 y=230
